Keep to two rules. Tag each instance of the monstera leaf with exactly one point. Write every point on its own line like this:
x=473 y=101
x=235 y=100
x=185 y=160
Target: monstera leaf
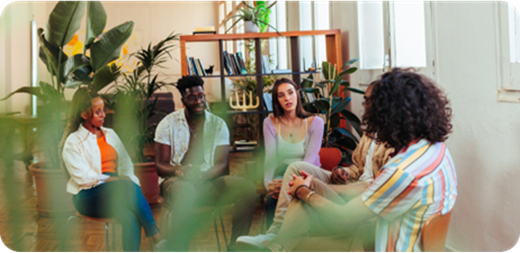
x=63 y=22
x=109 y=46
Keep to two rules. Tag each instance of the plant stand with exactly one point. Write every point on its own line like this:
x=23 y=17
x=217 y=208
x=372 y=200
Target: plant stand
x=51 y=196
x=149 y=182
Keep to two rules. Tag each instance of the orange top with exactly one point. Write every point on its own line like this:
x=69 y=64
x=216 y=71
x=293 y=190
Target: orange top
x=108 y=156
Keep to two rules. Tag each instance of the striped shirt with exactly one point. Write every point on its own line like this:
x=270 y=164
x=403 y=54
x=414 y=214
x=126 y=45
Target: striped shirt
x=419 y=182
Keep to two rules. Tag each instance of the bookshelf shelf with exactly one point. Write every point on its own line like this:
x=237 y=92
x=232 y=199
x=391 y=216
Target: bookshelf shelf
x=262 y=74
x=333 y=52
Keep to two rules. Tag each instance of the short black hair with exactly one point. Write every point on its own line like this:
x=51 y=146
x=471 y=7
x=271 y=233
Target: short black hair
x=187 y=82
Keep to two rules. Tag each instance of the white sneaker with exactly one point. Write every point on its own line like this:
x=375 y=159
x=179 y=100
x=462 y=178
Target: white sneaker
x=256 y=240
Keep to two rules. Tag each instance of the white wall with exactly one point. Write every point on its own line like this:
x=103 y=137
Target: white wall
x=152 y=22
x=485 y=143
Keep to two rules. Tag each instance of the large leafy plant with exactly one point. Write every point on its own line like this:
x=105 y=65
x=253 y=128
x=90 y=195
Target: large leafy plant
x=91 y=68
x=328 y=102
x=134 y=97
x=258 y=14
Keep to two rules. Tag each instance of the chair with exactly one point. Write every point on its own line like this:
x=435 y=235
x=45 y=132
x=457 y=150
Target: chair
x=107 y=223
x=434 y=232
x=166 y=214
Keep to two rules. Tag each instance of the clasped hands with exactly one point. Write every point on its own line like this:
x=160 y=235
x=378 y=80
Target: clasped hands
x=189 y=172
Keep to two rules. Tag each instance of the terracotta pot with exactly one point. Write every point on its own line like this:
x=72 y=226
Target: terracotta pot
x=149 y=182
x=52 y=199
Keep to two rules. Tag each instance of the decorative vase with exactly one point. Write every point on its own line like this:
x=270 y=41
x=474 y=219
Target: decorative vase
x=250 y=27
x=149 y=182
x=52 y=199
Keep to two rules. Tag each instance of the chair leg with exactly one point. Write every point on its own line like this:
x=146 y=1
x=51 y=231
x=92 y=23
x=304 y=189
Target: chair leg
x=216 y=231
x=223 y=230
x=107 y=241
x=263 y=225
x=151 y=244
x=64 y=238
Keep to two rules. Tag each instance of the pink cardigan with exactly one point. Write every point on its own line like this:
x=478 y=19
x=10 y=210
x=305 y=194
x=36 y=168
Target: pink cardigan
x=312 y=146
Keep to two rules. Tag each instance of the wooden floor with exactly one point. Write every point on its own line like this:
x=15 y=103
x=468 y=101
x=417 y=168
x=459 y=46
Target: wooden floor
x=22 y=229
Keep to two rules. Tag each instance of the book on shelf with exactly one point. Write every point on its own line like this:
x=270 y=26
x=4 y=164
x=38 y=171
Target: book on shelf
x=188 y=66
x=245 y=143
x=245 y=147
x=266 y=69
x=268 y=101
x=203 y=71
x=194 y=66
x=243 y=69
x=199 y=68
x=227 y=63
x=236 y=65
x=281 y=71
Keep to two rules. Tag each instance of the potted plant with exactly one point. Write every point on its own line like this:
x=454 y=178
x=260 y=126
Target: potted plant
x=135 y=105
x=332 y=106
x=90 y=68
x=256 y=18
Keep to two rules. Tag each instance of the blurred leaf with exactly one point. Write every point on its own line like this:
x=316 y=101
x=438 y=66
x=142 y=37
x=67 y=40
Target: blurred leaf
x=49 y=54
x=29 y=90
x=105 y=76
x=345 y=83
x=334 y=120
x=355 y=90
x=307 y=82
x=353 y=120
x=349 y=62
x=109 y=46
x=63 y=22
x=96 y=21
x=322 y=104
x=341 y=105
x=76 y=65
x=346 y=133
x=311 y=90
x=328 y=70
x=347 y=143
x=348 y=71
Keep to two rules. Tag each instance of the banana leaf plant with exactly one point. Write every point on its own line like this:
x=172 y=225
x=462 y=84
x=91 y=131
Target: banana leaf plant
x=325 y=100
x=134 y=96
x=91 y=68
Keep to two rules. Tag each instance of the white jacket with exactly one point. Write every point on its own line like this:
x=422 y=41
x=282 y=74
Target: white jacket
x=82 y=158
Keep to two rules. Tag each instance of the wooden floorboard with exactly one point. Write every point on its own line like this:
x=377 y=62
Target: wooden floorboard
x=22 y=229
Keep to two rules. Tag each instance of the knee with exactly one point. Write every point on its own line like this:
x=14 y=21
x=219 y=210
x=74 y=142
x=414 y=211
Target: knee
x=295 y=168
x=179 y=189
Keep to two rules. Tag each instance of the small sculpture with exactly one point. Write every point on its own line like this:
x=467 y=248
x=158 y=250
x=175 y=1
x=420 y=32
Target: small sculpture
x=209 y=71
x=244 y=106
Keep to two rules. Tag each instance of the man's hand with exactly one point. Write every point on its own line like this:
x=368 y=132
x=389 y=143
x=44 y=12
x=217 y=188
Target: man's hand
x=339 y=176
x=274 y=187
x=188 y=172
x=305 y=179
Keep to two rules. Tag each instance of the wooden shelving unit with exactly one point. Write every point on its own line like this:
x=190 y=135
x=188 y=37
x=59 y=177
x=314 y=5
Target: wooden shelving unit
x=334 y=56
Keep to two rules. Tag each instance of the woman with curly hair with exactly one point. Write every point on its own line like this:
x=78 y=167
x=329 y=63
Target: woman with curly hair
x=410 y=113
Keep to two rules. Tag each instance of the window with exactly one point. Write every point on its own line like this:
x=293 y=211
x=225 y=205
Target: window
x=278 y=46
x=405 y=24
x=508 y=38
x=314 y=15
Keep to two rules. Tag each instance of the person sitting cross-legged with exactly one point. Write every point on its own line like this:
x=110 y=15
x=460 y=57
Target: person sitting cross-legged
x=191 y=153
x=408 y=112
x=349 y=182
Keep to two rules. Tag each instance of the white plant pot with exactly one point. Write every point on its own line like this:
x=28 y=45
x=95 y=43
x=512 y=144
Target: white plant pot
x=250 y=27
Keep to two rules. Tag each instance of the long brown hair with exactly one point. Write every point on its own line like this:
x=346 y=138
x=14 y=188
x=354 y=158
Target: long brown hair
x=277 y=108
x=81 y=102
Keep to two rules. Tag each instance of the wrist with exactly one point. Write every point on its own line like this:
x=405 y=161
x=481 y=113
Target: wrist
x=302 y=192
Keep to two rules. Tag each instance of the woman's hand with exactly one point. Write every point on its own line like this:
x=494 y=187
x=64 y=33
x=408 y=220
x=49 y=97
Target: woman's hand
x=274 y=187
x=305 y=179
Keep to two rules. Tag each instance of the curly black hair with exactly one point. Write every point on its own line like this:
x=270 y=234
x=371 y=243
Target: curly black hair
x=187 y=82
x=405 y=106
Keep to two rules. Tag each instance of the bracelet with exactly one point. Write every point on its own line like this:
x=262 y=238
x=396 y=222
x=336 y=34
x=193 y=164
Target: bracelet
x=297 y=188
x=308 y=196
